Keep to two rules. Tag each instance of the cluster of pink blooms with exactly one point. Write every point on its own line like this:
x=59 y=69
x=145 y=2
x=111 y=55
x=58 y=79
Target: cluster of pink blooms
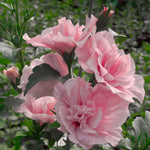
x=90 y=115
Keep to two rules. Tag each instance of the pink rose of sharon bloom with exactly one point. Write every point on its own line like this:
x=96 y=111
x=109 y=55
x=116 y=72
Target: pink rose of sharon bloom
x=91 y=115
x=12 y=73
x=90 y=28
x=61 y=38
x=39 y=109
x=44 y=88
x=111 y=66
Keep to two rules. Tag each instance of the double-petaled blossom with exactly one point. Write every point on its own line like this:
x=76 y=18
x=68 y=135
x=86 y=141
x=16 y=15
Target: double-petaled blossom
x=91 y=115
x=40 y=109
x=111 y=66
x=61 y=38
x=43 y=88
x=12 y=73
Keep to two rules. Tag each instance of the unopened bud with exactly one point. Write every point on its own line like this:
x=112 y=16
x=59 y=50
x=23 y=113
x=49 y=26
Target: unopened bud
x=111 y=13
x=12 y=73
x=103 y=19
x=105 y=9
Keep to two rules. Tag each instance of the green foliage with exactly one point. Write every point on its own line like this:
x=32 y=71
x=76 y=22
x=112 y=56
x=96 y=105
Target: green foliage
x=4 y=61
x=147 y=79
x=119 y=39
x=8 y=103
x=20 y=17
x=54 y=125
x=142 y=131
x=146 y=47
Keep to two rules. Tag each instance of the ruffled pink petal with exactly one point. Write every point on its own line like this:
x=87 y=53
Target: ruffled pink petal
x=137 y=89
x=61 y=38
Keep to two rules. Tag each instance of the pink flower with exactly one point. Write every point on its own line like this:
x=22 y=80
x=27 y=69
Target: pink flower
x=61 y=38
x=91 y=115
x=103 y=40
x=90 y=29
x=43 y=88
x=91 y=26
x=12 y=73
x=39 y=109
x=112 y=67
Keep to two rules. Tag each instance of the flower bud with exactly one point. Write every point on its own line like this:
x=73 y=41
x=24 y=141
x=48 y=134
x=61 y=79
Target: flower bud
x=103 y=19
x=111 y=13
x=12 y=73
x=104 y=11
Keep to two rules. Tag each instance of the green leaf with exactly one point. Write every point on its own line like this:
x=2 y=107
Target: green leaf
x=2 y=99
x=142 y=128
x=17 y=142
x=12 y=101
x=25 y=139
x=51 y=143
x=8 y=51
x=47 y=135
x=146 y=47
x=35 y=145
x=28 y=16
x=54 y=125
x=42 y=72
x=147 y=79
x=56 y=134
x=147 y=120
x=119 y=38
x=52 y=134
x=6 y=5
x=30 y=142
x=68 y=58
x=126 y=142
x=27 y=122
x=8 y=103
x=4 y=61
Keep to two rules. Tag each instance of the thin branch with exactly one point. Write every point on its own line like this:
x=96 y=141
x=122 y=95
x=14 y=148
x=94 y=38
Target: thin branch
x=90 y=8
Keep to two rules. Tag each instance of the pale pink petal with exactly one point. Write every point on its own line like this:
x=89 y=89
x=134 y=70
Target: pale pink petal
x=138 y=88
x=26 y=37
x=90 y=29
x=56 y=62
x=61 y=38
